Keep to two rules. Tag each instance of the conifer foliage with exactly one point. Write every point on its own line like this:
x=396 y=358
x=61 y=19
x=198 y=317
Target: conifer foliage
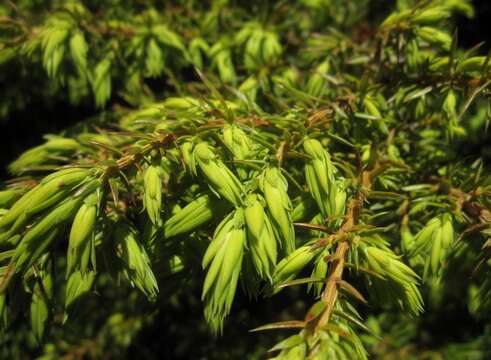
x=250 y=147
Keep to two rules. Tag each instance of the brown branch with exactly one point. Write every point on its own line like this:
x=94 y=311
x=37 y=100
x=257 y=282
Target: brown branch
x=331 y=292
x=465 y=200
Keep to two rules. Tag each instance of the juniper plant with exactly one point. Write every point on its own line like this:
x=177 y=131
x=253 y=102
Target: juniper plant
x=305 y=152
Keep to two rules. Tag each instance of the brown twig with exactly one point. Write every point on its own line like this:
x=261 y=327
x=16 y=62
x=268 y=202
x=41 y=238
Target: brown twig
x=331 y=292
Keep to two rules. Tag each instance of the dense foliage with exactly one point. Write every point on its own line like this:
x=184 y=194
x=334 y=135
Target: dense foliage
x=247 y=150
